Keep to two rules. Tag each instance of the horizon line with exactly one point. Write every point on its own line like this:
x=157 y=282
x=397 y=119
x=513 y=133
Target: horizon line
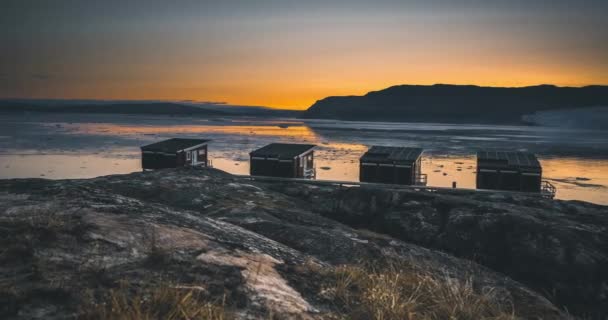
x=291 y=108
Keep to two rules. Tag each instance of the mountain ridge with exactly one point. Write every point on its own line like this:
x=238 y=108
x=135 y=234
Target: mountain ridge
x=152 y=107
x=456 y=103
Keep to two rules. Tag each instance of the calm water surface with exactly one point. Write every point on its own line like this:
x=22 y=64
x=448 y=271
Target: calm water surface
x=83 y=146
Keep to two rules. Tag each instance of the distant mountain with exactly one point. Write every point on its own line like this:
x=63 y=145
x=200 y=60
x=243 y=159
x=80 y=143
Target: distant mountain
x=183 y=108
x=456 y=103
x=117 y=108
x=246 y=110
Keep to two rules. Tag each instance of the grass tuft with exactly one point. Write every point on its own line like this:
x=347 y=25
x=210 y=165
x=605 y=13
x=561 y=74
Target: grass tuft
x=401 y=292
x=162 y=302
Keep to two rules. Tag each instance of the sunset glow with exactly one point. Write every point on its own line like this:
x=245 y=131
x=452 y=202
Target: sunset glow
x=299 y=131
x=286 y=54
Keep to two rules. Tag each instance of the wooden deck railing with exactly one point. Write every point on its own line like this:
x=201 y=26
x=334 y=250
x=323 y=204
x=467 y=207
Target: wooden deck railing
x=389 y=186
x=421 y=179
x=547 y=189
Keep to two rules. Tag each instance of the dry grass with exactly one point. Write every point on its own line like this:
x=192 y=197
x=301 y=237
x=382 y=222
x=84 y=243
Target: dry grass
x=24 y=234
x=162 y=302
x=400 y=292
x=42 y=228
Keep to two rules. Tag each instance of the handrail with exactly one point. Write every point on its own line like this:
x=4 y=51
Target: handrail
x=310 y=173
x=386 y=186
x=421 y=179
x=547 y=189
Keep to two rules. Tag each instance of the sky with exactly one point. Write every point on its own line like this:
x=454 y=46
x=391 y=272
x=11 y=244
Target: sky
x=289 y=54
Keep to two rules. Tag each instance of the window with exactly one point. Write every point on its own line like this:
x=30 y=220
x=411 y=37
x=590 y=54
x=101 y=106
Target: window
x=201 y=152
x=188 y=156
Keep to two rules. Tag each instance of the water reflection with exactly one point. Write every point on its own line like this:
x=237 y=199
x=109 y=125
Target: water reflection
x=578 y=179
x=279 y=130
x=67 y=166
x=87 y=149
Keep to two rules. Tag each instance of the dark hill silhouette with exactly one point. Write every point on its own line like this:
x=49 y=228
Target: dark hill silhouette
x=456 y=103
x=119 y=108
x=178 y=108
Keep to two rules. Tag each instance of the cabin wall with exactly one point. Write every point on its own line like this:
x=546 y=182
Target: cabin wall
x=488 y=174
x=283 y=168
x=366 y=172
x=487 y=179
x=260 y=167
x=494 y=177
x=531 y=181
x=181 y=159
x=404 y=175
x=386 y=173
x=272 y=167
x=203 y=155
x=158 y=160
x=510 y=180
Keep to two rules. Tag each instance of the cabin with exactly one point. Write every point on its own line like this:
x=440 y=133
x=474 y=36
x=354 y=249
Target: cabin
x=512 y=171
x=284 y=160
x=392 y=165
x=173 y=153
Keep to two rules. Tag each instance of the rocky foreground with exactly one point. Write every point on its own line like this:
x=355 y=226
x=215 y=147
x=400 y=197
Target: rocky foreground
x=204 y=243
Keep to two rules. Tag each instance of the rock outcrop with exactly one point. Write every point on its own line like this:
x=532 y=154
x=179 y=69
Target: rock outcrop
x=66 y=243
x=558 y=248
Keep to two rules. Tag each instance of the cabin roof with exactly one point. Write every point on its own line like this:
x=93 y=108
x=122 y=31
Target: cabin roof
x=383 y=154
x=282 y=150
x=173 y=145
x=512 y=159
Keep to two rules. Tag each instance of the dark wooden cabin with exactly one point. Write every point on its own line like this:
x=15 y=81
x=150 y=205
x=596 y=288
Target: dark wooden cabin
x=176 y=152
x=394 y=165
x=513 y=171
x=283 y=160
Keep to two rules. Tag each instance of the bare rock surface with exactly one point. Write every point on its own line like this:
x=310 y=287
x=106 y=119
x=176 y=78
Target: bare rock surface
x=558 y=248
x=245 y=242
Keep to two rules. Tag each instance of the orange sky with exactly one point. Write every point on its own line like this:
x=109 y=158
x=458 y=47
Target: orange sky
x=288 y=54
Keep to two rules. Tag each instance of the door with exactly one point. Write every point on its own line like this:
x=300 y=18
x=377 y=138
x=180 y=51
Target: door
x=303 y=166
x=194 y=157
x=306 y=166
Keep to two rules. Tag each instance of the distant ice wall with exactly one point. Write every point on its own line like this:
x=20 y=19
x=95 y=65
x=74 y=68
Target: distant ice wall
x=584 y=118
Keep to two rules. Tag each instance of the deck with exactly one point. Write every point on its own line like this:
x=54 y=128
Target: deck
x=545 y=193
